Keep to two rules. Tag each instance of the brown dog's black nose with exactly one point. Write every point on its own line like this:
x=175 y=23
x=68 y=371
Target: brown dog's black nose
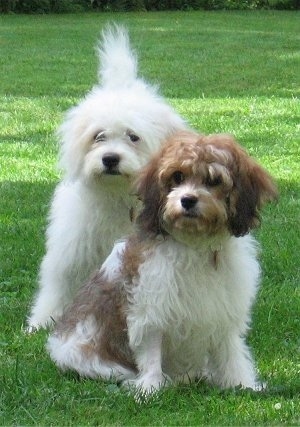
x=111 y=160
x=188 y=202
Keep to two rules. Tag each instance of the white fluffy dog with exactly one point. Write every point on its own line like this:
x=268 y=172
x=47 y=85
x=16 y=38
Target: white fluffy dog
x=105 y=140
x=173 y=301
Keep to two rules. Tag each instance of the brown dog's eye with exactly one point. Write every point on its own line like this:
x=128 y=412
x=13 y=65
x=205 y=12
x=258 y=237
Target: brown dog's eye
x=177 y=177
x=213 y=181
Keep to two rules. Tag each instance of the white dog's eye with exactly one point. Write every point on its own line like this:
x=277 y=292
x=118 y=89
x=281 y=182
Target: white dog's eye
x=133 y=137
x=100 y=136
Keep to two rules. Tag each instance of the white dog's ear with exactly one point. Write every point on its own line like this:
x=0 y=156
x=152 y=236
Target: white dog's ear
x=118 y=63
x=73 y=142
x=253 y=187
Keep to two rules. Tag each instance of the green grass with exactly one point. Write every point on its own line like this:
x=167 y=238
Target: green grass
x=224 y=72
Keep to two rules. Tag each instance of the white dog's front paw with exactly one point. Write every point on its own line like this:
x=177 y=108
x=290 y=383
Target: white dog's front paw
x=33 y=326
x=35 y=323
x=30 y=329
x=260 y=386
x=147 y=385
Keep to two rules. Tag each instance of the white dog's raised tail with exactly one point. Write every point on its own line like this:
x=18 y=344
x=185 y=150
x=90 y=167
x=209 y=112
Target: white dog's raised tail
x=118 y=63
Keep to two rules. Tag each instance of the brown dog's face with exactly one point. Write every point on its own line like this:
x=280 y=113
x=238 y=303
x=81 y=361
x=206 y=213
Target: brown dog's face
x=203 y=185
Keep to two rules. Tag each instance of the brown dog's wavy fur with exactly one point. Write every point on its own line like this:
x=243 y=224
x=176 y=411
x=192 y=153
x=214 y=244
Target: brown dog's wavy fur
x=106 y=302
x=252 y=186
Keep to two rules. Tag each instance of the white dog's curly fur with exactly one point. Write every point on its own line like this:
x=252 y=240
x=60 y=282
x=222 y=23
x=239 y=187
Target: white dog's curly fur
x=105 y=140
x=173 y=301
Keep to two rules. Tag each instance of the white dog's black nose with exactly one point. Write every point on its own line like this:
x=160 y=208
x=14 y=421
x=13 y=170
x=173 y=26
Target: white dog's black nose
x=188 y=202
x=111 y=160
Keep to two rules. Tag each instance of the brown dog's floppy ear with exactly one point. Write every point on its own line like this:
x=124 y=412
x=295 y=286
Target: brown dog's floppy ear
x=253 y=187
x=149 y=192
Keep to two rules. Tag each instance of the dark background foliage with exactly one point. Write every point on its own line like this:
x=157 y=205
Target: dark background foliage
x=63 y=6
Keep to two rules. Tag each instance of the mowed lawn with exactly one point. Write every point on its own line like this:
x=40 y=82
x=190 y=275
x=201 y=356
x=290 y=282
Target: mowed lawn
x=224 y=72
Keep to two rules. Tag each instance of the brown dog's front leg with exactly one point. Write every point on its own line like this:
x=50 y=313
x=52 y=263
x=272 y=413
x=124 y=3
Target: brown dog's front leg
x=148 y=357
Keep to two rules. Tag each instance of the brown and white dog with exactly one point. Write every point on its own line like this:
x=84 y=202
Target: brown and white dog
x=173 y=301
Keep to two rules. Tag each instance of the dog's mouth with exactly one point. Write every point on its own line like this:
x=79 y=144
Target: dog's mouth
x=191 y=215
x=189 y=223
x=112 y=172
x=186 y=223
